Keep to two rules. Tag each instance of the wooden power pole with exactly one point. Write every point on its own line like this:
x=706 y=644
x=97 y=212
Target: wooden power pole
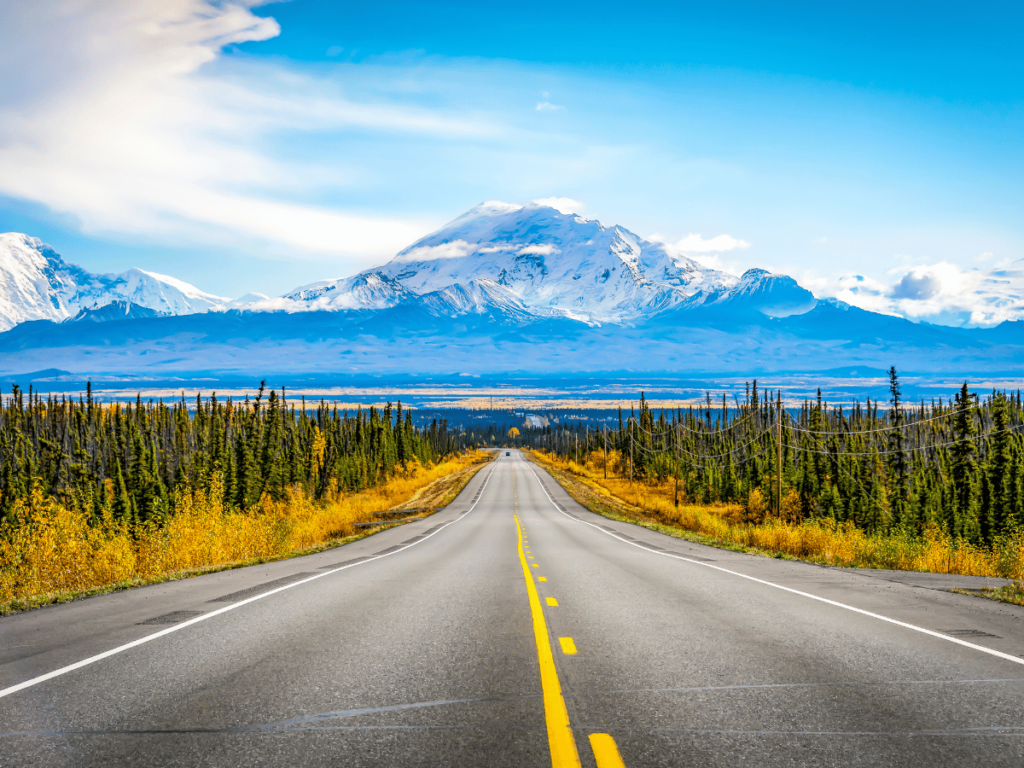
x=778 y=451
x=604 y=431
x=677 y=466
x=631 y=460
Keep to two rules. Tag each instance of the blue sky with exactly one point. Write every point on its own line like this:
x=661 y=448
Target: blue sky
x=871 y=150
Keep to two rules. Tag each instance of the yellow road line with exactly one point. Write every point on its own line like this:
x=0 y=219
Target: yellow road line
x=535 y=565
x=606 y=753
x=560 y=738
x=542 y=578
x=552 y=602
x=568 y=646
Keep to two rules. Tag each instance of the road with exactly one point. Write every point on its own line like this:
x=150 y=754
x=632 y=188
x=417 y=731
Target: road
x=514 y=628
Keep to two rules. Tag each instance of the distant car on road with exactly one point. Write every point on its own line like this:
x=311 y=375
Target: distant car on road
x=508 y=453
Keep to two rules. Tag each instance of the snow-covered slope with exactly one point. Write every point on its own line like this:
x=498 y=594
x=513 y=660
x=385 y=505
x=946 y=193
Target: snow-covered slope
x=160 y=292
x=552 y=263
x=477 y=297
x=115 y=310
x=555 y=261
x=760 y=291
x=509 y=263
x=37 y=284
x=368 y=290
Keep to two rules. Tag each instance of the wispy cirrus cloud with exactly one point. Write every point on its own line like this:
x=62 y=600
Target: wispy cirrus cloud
x=133 y=123
x=546 y=106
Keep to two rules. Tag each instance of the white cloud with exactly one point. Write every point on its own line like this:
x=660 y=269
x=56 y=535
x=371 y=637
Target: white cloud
x=456 y=249
x=940 y=293
x=547 y=106
x=565 y=205
x=707 y=253
x=133 y=122
x=697 y=244
x=539 y=250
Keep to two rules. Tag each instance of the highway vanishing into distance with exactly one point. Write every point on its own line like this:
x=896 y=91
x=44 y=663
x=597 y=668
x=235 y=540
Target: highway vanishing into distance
x=515 y=628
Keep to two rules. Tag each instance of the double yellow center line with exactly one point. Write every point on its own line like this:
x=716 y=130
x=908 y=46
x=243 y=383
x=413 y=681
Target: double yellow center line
x=560 y=737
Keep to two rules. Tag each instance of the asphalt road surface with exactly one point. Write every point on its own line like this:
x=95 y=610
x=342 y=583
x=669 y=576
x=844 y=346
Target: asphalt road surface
x=514 y=628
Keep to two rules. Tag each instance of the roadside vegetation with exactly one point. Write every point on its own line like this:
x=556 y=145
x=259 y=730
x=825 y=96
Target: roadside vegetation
x=95 y=497
x=1011 y=593
x=931 y=486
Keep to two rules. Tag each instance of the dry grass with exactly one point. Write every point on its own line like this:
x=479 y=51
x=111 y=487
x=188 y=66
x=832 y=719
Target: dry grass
x=1011 y=593
x=55 y=554
x=749 y=527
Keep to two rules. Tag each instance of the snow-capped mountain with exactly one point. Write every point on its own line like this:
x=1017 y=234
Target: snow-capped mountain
x=503 y=288
x=477 y=297
x=761 y=291
x=554 y=262
x=115 y=310
x=37 y=284
x=496 y=260
x=368 y=290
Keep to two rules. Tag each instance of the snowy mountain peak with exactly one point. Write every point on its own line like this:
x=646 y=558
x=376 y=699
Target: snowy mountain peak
x=367 y=290
x=772 y=295
x=553 y=261
x=37 y=284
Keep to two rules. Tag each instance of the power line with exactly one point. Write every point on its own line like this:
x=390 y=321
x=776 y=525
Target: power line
x=873 y=431
x=909 y=450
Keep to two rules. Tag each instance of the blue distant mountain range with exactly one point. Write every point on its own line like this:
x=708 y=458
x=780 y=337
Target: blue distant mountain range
x=502 y=288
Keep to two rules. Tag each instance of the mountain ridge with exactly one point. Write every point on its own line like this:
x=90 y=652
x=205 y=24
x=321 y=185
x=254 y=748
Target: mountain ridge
x=547 y=263
x=501 y=288
x=37 y=284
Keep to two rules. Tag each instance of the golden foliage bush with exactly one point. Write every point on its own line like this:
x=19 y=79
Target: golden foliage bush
x=55 y=548
x=820 y=539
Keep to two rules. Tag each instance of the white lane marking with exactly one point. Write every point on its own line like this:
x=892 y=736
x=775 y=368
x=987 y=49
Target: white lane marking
x=219 y=611
x=958 y=641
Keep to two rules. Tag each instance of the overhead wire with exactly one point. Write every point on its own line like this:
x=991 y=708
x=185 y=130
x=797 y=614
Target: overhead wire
x=873 y=431
x=708 y=432
x=910 y=450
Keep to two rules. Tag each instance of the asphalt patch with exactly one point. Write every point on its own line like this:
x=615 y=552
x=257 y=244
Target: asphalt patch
x=343 y=563
x=266 y=586
x=966 y=633
x=172 y=618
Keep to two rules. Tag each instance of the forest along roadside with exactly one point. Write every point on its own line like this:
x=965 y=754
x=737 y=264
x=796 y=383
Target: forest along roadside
x=51 y=569
x=717 y=526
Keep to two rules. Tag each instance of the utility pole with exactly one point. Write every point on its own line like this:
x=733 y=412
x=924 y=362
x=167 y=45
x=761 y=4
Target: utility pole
x=604 y=431
x=778 y=451
x=677 y=466
x=577 y=436
x=631 y=460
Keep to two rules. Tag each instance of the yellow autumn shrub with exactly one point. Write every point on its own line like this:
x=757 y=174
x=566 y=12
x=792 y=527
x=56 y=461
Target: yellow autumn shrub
x=55 y=548
x=818 y=539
